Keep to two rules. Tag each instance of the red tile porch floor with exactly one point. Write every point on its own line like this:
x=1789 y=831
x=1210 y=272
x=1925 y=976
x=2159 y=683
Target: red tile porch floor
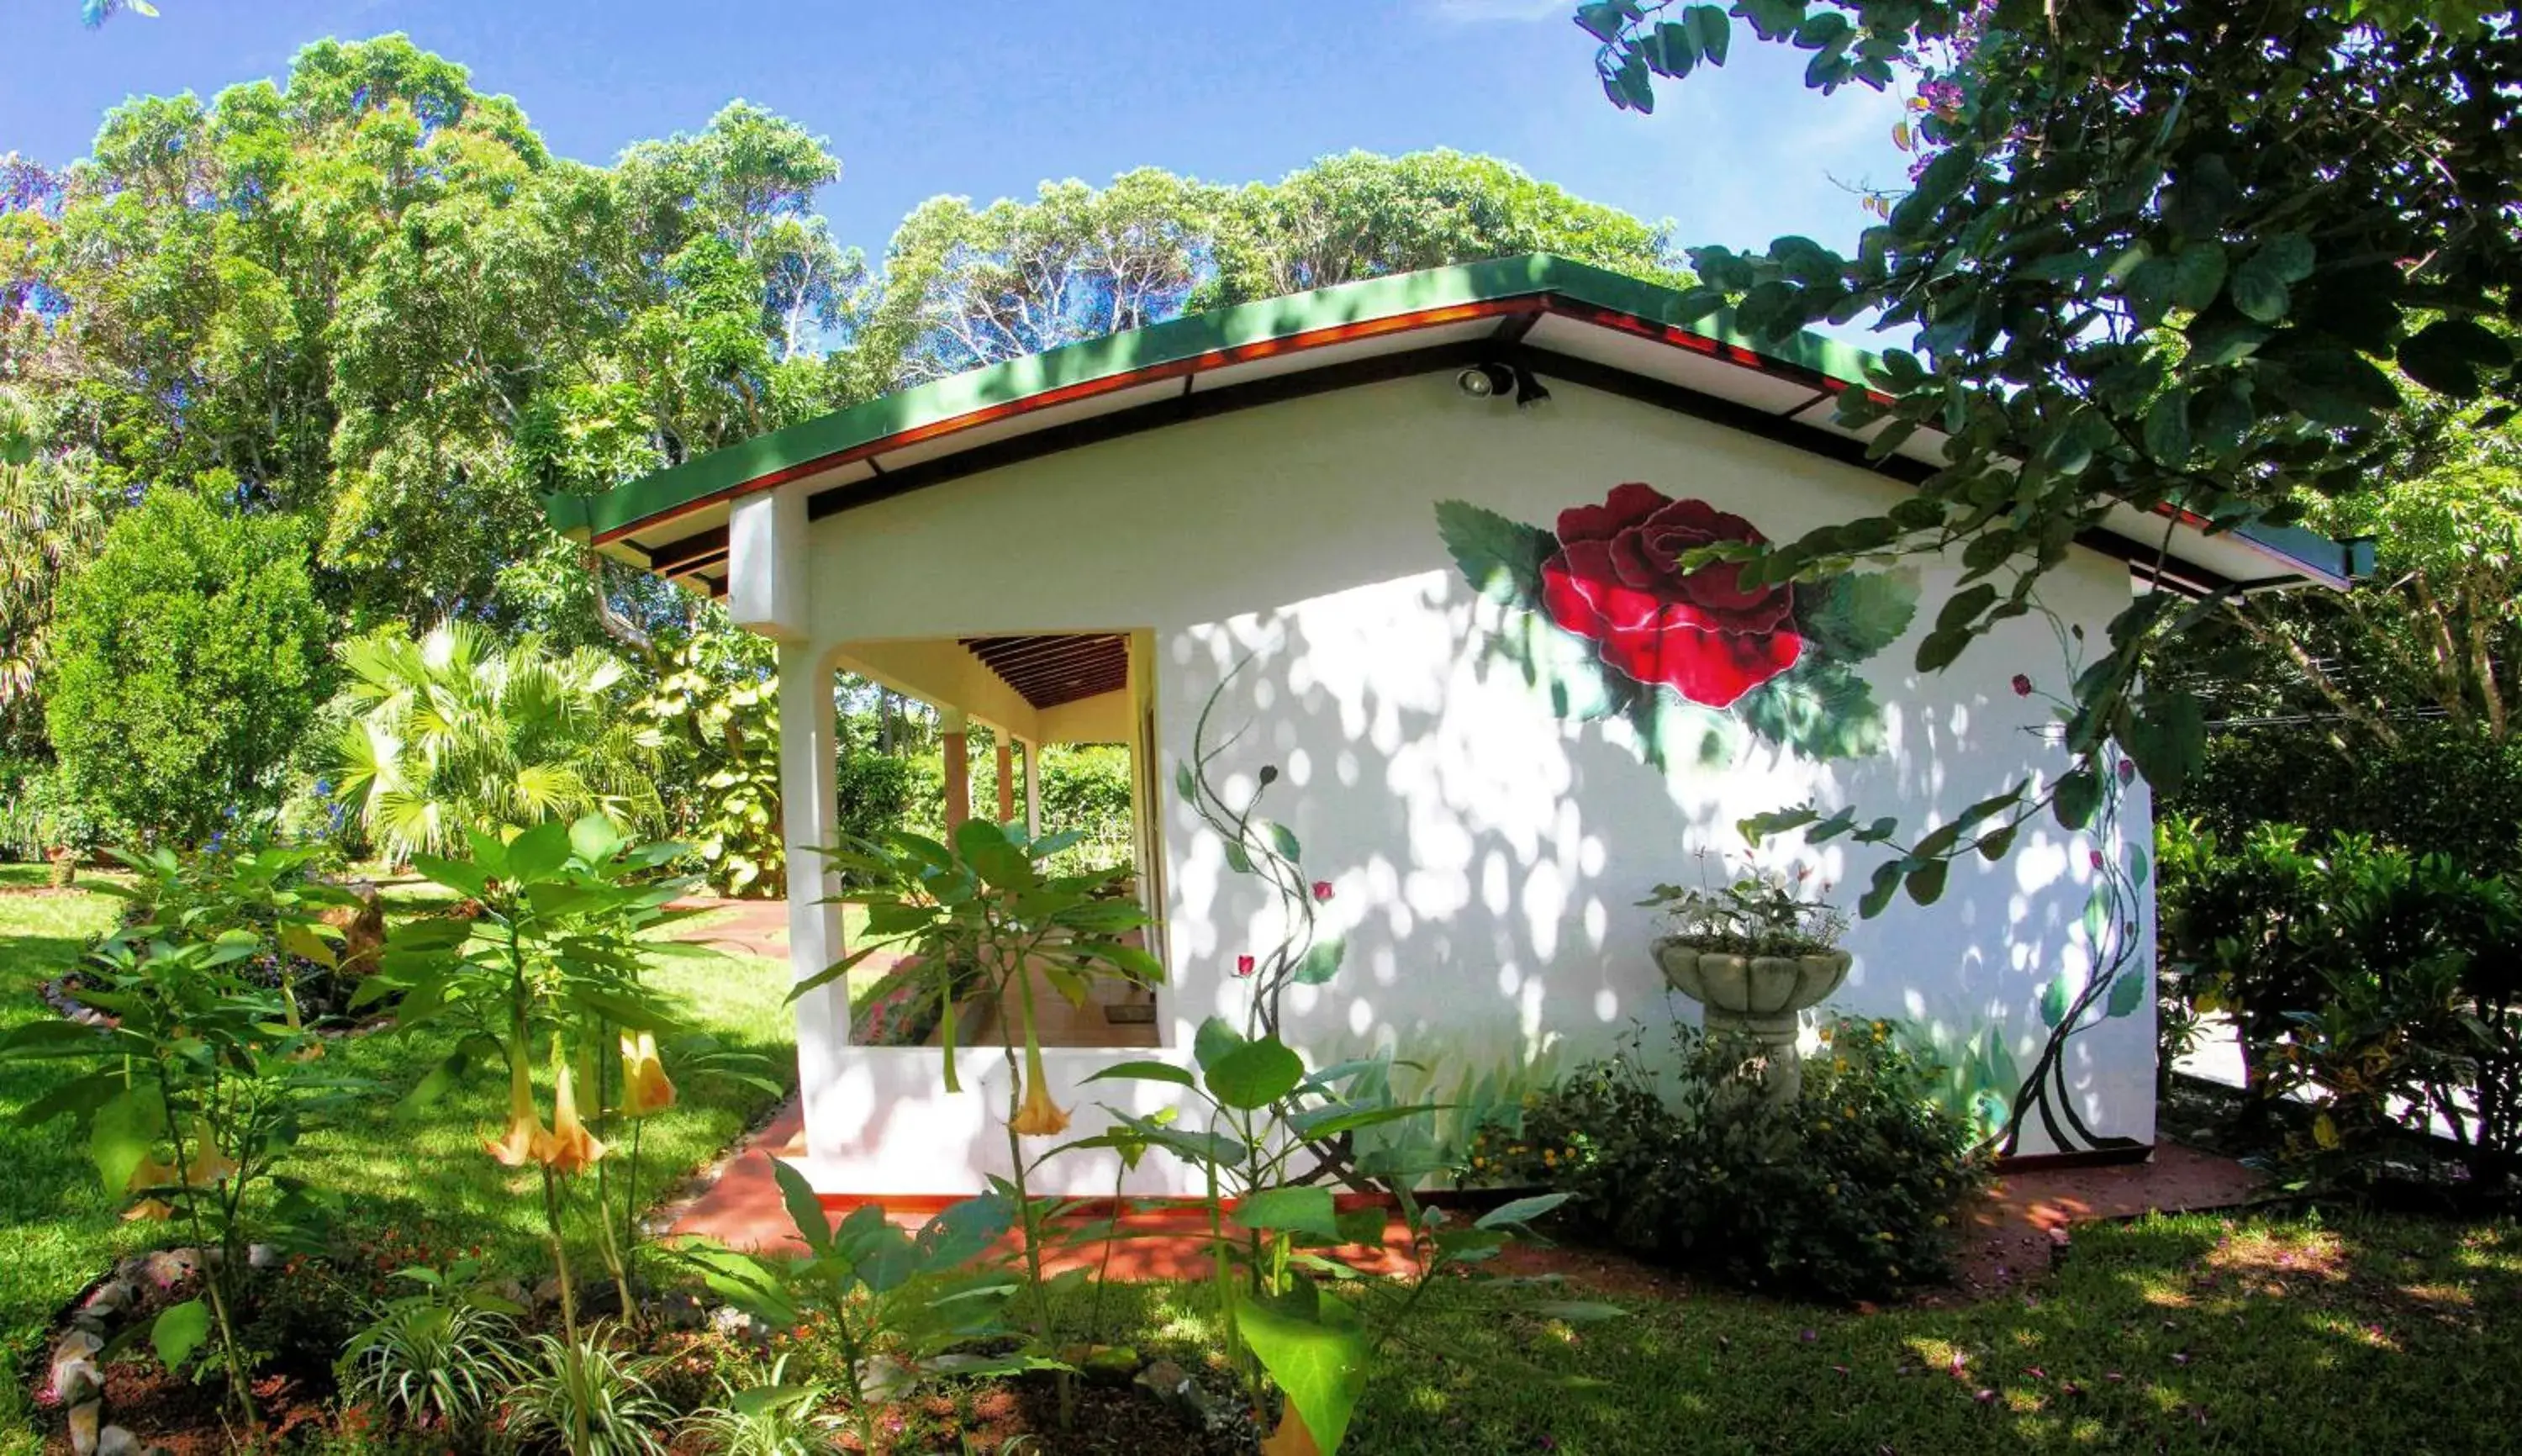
x=2014 y=1233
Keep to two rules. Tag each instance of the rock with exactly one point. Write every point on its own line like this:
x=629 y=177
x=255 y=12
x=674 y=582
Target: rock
x=110 y=1299
x=85 y=1417
x=547 y=1292
x=74 y=1375
x=113 y=1441
x=514 y=1292
x=262 y=1257
x=169 y=1267
x=1163 y=1378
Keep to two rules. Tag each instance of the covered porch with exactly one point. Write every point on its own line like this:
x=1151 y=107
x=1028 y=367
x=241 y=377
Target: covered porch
x=1010 y=696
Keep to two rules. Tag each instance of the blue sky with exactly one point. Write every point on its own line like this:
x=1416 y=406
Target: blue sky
x=986 y=100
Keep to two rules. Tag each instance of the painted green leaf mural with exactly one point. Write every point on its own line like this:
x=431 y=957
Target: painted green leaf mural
x=1502 y=558
x=1855 y=615
x=1624 y=612
x=1821 y=710
x=2128 y=993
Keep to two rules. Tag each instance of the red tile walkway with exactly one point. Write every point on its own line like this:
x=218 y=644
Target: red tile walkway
x=2015 y=1231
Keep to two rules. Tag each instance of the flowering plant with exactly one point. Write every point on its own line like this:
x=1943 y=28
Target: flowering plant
x=1760 y=913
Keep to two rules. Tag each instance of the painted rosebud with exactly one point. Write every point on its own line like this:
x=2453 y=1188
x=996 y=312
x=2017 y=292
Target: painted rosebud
x=2022 y=686
x=2097 y=859
x=1242 y=965
x=1322 y=889
x=2128 y=771
x=1269 y=775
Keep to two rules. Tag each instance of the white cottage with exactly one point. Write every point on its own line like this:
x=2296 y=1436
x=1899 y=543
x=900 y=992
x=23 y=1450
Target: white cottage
x=1435 y=519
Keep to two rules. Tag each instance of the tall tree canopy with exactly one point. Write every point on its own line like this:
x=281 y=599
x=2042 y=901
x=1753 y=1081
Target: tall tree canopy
x=2159 y=254
x=965 y=286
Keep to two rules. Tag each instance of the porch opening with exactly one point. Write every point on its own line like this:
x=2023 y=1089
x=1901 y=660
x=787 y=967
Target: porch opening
x=1050 y=730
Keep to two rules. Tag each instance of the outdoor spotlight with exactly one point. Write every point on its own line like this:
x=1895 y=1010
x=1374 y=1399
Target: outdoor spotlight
x=1485 y=381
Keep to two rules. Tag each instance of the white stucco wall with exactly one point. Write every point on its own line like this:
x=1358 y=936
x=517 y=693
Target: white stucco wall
x=1487 y=856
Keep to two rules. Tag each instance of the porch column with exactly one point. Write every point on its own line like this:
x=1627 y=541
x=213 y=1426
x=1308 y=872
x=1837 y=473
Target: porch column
x=1033 y=791
x=958 y=772
x=810 y=803
x=1006 y=777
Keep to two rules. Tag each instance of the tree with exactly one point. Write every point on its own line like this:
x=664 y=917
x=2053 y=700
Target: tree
x=1361 y=215
x=459 y=732
x=964 y=288
x=52 y=520
x=2159 y=254
x=186 y=659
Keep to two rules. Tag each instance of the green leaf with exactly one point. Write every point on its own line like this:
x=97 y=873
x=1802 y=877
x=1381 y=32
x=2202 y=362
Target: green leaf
x=2198 y=275
x=595 y=839
x=1854 y=615
x=120 y=1135
x=1605 y=20
x=2167 y=428
x=2148 y=288
x=1315 y=1347
x=2335 y=387
x=999 y=862
x=2053 y=1001
x=1521 y=1211
x=2259 y=286
x=1300 y=1210
x=1819 y=709
x=1321 y=963
x=805 y=1209
x=1283 y=840
x=1254 y=1075
x=1143 y=1071
x=1213 y=1041
x=2078 y=794
x=178 y=1331
x=540 y=852
x=2448 y=354
x=2289 y=256
x=2166 y=736
x=1711 y=30
x=2128 y=993
x=1186 y=782
x=1877 y=895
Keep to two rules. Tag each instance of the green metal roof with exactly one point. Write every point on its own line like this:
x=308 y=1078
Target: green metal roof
x=735 y=470
x=725 y=472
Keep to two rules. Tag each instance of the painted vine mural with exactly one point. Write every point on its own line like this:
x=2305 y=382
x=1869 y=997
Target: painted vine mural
x=1611 y=619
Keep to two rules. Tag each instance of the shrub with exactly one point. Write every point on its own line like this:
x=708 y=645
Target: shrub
x=2378 y=983
x=1846 y=1192
x=185 y=658
x=2439 y=790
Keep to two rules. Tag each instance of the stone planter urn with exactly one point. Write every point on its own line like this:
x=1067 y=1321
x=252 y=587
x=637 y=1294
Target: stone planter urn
x=1755 y=996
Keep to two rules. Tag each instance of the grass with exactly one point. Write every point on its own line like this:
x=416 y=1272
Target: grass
x=2181 y=1334
x=419 y=1176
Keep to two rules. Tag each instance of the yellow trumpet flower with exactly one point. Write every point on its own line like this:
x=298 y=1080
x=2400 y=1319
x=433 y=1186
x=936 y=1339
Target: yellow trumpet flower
x=645 y=1087
x=570 y=1148
x=526 y=1136
x=1039 y=1116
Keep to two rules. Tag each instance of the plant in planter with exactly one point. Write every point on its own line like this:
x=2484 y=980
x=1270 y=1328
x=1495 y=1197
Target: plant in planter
x=1756 y=953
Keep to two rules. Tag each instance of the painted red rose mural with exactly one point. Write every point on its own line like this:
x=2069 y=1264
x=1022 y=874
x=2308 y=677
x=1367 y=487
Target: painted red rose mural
x=1626 y=620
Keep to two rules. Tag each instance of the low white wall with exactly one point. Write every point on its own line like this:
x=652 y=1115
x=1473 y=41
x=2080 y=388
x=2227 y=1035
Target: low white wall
x=1486 y=855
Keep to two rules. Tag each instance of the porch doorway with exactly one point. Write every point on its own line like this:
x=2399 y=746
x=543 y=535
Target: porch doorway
x=1049 y=731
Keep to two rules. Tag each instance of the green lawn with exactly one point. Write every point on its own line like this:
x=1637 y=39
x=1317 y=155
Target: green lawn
x=422 y=1175
x=2363 y=1334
